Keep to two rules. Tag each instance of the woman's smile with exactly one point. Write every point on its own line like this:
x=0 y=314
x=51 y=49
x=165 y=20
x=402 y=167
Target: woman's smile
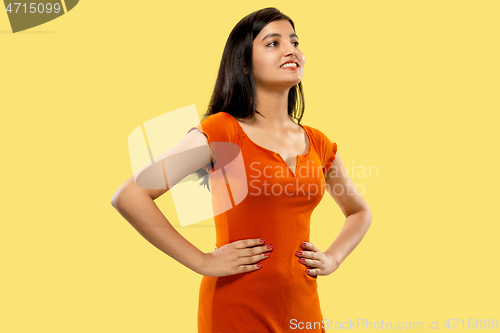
x=290 y=65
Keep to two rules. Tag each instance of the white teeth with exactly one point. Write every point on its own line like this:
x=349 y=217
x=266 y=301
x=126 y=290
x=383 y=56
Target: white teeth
x=289 y=64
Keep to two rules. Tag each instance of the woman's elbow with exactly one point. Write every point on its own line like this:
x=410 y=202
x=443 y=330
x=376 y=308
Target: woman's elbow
x=123 y=192
x=115 y=200
x=118 y=196
x=368 y=216
x=364 y=215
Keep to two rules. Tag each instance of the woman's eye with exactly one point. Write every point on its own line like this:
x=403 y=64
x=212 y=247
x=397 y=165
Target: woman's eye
x=274 y=43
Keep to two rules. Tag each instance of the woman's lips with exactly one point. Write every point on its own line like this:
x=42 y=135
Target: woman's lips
x=291 y=68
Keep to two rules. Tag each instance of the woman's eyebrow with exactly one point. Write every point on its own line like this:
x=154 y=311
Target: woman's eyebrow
x=279 y=35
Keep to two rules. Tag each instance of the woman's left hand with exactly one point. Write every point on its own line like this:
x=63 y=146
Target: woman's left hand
x=318 y=263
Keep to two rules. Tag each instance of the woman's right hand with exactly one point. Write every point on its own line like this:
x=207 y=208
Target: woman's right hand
x=237 y=257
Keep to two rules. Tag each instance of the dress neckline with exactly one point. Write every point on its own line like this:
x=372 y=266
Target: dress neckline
x=297 y=158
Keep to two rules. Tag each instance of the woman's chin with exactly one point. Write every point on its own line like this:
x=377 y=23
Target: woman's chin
x=279 y=85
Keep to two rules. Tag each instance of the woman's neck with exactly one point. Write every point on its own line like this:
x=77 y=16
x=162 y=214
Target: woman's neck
x=272 y=107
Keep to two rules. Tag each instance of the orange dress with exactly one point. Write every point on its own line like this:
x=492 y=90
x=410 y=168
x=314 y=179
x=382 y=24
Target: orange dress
x=276 y=204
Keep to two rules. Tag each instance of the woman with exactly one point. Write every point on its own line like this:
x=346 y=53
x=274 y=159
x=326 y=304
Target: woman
x=262 y=275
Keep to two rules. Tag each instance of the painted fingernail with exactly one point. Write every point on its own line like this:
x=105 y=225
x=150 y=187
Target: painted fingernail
x=262 y=240
x=302 y=260
x=259 y=265
x=270 y=246
x=308 y=271
x=267 y=254
x=304 y=244
x=299 y=253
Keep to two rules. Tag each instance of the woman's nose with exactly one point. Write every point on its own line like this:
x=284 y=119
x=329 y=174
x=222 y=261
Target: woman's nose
x=290 y=50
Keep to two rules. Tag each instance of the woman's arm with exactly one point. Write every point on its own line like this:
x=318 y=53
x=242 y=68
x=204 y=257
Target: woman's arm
x=136 y=204
x=358 y=214
x=358 y=220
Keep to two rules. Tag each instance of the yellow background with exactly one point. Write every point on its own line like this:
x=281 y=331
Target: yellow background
x=409 y=87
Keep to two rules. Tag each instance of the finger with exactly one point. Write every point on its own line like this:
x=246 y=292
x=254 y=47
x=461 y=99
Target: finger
x=309 y=246
x=305 y=254
x=312 y=272
x=255 y=250
x=248 y=252
x=248 y=268
x=253 y=259
x=241 y=244
x=310 y=262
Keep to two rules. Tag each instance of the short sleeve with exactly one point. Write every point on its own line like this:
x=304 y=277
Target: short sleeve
x=218 y=128
x=330 y=154
x=327 y=150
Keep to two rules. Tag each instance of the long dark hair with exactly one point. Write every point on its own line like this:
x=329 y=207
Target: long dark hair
x=234 y=91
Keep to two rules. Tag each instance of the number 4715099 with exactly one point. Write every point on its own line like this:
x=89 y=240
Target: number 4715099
x=472 y=324
x=35 y=7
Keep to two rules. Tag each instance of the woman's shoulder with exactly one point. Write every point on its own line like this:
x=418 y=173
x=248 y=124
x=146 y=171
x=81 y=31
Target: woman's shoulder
x=220 y=126
x=317 y=134
x=220 y=117
x=323 y=144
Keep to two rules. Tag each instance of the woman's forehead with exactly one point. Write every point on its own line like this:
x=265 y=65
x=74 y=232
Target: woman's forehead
x=280 y=28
